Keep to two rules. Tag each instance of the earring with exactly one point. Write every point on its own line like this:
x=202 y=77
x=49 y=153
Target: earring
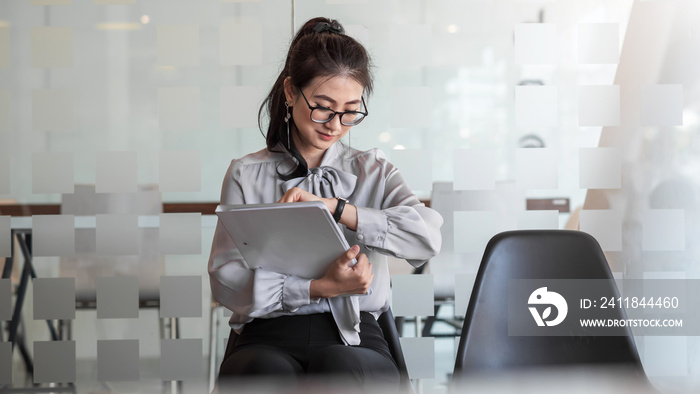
x=286 y=120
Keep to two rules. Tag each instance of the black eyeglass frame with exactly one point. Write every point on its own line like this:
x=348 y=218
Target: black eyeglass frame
x=364 y=113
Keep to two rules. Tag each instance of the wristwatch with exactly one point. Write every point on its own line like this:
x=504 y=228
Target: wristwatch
x=339 y=209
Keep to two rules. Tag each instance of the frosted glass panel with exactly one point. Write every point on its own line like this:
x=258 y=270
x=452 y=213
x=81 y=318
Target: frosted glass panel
x=53 y=110
x=536 y=106
x=5 y=237
x=412 y=295
x=605 y=226
x=179 y=109
x=53 y=235
x=5 y=300
x=118 y=360
x=5 y=174
x=465 y=175
x=600 y=168
x=599 y=106
x=54 y=361
x=239 y=105
x=598 y=43
x=665 y=356
x=5 y=110
x=415 y=167
x=473 y=230
x=4 y=46
x=52 y=173
x=536 y=43
x=537 y=168
x=117 y=297
x=117 y=234
x=411 y=107
x=419 y=354
x=663 y=230
x=178 y=45
x=662 y=105
x=181 y=233
x=181 y=296
x=54 y=298
x=409 y=45
x=180 y=171
x=6 y=362
x=52 y=46
x=180 y=359
x=241 y=44
x=116 y=172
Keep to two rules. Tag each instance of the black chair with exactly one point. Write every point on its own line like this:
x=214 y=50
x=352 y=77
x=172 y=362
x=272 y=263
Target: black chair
x=485 y=345
x=391 y=334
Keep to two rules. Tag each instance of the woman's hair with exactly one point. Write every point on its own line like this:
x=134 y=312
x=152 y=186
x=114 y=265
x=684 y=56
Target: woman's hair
x=319 y=49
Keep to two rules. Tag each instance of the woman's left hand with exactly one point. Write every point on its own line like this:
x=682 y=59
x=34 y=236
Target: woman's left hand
x=296 y=194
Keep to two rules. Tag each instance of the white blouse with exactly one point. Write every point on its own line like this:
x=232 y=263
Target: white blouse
x=390 y=221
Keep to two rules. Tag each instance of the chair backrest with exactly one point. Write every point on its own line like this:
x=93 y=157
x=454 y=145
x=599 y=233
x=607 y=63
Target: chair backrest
x=388 y=325
x=535 y=254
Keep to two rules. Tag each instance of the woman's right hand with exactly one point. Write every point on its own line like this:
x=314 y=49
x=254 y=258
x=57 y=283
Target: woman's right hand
x=341 y=279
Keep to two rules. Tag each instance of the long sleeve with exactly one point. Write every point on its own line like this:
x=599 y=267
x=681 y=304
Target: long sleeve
x=403 y=227
x=245 y=291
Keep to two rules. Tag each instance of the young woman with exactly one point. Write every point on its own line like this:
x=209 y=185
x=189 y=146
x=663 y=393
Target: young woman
x=288 y=325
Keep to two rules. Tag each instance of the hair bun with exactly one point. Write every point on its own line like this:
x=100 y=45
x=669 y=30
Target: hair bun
x=333 y=27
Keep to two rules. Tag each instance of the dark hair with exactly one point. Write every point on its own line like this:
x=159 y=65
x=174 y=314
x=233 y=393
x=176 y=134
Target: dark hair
x=320 y=48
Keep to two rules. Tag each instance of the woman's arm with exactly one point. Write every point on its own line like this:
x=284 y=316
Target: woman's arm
x=403 y=226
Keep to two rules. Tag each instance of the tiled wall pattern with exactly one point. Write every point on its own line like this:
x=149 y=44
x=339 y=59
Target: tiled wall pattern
x=497 y=101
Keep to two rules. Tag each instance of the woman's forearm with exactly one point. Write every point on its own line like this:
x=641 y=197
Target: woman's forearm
x=349 y=216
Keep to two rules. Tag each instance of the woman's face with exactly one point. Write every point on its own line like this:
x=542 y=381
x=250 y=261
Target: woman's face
x=338 y=93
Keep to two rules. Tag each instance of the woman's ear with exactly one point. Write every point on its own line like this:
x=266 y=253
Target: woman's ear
x=289 y=91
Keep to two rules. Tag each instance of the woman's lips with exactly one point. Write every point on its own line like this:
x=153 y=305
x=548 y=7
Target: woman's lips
x=325 y=137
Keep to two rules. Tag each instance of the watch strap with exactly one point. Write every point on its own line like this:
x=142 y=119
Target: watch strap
x=339 y=209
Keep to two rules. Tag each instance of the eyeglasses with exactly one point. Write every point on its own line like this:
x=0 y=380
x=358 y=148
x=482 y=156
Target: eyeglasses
x=321 y=114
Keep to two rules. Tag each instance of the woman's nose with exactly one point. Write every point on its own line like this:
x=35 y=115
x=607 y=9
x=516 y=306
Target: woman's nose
x=334 y=124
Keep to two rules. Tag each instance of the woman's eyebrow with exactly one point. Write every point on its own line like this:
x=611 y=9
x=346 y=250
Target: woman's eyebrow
x=324 y=97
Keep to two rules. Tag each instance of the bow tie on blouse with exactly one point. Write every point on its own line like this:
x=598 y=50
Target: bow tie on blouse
x=327 y=182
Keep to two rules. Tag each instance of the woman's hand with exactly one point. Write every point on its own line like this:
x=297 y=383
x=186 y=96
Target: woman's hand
x=341 y=279
x=349 y=217
x=296 y=194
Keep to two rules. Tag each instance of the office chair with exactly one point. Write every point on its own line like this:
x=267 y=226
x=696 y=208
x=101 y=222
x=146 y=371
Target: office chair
x=391 y=335
x=485 y=345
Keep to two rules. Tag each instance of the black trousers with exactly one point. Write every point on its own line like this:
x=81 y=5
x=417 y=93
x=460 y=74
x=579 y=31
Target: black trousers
x=309 y=345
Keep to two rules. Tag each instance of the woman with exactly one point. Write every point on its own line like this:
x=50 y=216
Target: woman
x=288 y=325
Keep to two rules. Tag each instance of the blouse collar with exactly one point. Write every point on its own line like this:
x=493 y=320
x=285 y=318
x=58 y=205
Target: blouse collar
x=326 y=180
